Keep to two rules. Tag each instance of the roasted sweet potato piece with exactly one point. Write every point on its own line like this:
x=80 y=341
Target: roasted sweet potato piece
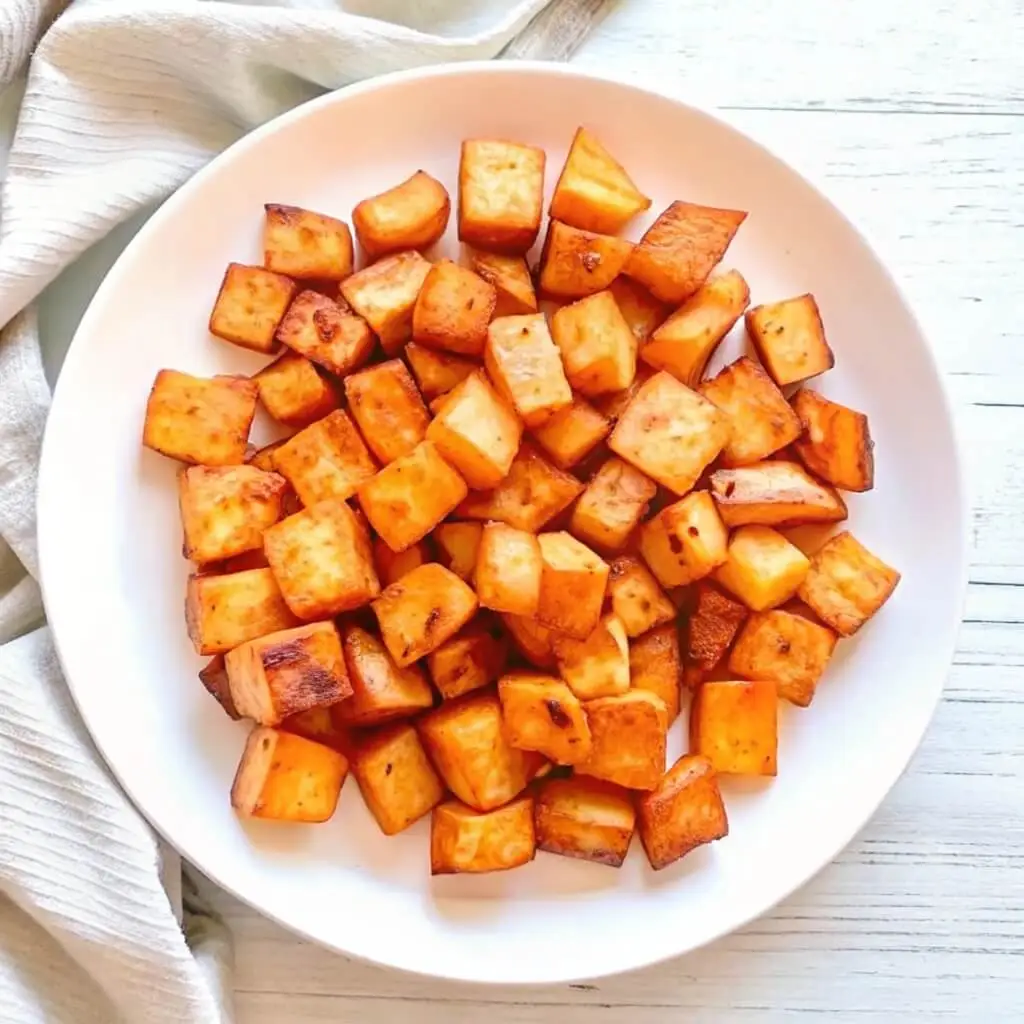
x=508 y=570
x=575 y=263
x=384 y=294
x=541 y=713
x=294 y=392
x=412 y=215
x=836 y=442
x=319 y=725
x=628 y=737
x=735 y=726
x=684 y=542
x=598 y=348
x=635 y=597
x=776 y=492
x=639 y=308
x=572 y=433
x=572 y=586
x=453 y=310
x=511 y=279
x=584 y=818
x=464 y=840
x=655 y=665
x=387 y=407
x=713 y=625
x=597 y=666
x=393 y=566
x=437 y=372
x=250 y=305
x=459 y=545
x=615 y=501
x=790 y=339
x=533 y=640
x=473 y=658
x=214 y=676
x=763 y=569
x=306 y=245
x=326 y=332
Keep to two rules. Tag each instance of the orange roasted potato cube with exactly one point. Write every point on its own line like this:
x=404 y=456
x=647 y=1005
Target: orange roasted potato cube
x=635 y=597
x=655 y=665
x=681 y=248
x=541 y=713
x=395 y=776
x=594 y=191
x=628 y=739
x=412 y=215
x=597 y=666
x=387 y=407
x=411 y=495
x=762 y=420
x=393 y=566
x=384 y=294
x=222 y=612
x=714 y=622
x=846 y=584
x=685 y=342
x=326 y=332
x=584 y=818
x=685 y=541
x=319 y=725
x=453 y=310
x=322 y=560
x=466 y=741
x=501 y=194
x=294 y=392
x=572 y=585
x=597 y=346
x=763 y=568
x=250 y=305
x=477 y=432
x=734 y=724
x=284 y=777
x=836 y=442
x=511 y=279
x=776 y=492
x=200 y=420
x=684 y=811
x=575 y=263
x=789 y=338
x=615 y=501
x=524 y=364
x=225 y=509
x=463 y=840
x=381 y=690
x=326 y=461
x=436 y=372
x=572 y=433
x=214 y=676
x=787 y=648
x=508 y=570
x=533 y=640
x=306 y=245
x=287 y=672
x=473 y=658
x=670 y=433
x=422 y=610
x=459 y=546
x=639 y=308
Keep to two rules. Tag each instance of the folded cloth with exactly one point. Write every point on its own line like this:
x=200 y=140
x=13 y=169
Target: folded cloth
x=123 y=101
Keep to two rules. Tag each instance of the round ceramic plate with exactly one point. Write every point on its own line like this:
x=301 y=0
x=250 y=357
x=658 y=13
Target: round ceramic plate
x=114 y=578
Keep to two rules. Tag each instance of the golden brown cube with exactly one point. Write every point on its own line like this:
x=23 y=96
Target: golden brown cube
x=326 y=332
x=636 y=598
x=294 y=392
x=501 y=194
x=598 y=348
x=319 y=725
x=790 y=339
x=572 y=586
x=200 y=420
x=322 y=560
x=511 y=279
x=684 y=811
x=387 y=407
x=393 y=566
x=847 y=584
x=573 y=433
x=463 y=840
x=681 y=248
x=222 y=612
x=304 y=245
x=734 y=724
x=508 y=570
x=584 y=818
x=763 y=568
x=575 y=263
x=395 y=776
x=776 y=492
x=533 y=640
x=762 y=420
x=214 y=676
x=836 y=442
x=639 y=308
x=685 y=342
x=453 y=310
x=670 y=433
x=541 y=713
x=436 y=372
x=250 y=305
x=597 y=666
x=615 y=501
x=384 y=294
x=715 y=620
x=628 y=735
x=686 y=541
x=287 y=672
x=473 y=658
x=459 y=546
x=284 y=777
x=411 y=495
x=412 y=215
x=655 y=665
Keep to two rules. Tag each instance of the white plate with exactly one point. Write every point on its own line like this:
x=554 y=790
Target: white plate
x=114 y=577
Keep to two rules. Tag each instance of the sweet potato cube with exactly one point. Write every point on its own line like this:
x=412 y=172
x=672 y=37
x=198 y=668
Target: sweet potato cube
x=473 y=658
x=501 y=194
x=322 y=560
x=214 y=676
x=575 y=263
x=511 y=279
x=412 y=215
x=572 y=433
x=381 y=690
x=790 y=339
x=541 y=713
x=436 y=372
x=594 y=191
x=287 y=672
x=584 y=818
x=294 y=392
x=655 y=665
x=222 y=612
x=327 y=333
x=411 y=495
x=685 y=342
x=777 y=492
x=250 y=305
x=598 y=348
x=453 y=310
x=572 y=586
x=734 y=724
x=714 y=622
x=384 y=294
x=763 y=569
x=636 y=598
x=685 y=541
x=524 y=364
x=639 y=308
x=395 y=776
x=477 y=432
x=387 y=407
x=787 y=648
x=847 y=584
x=200 y=420
x=392 y=566
x=533 y=640
x=305 y=245
x=467 y=743
x=628 y=739
x=615 y=501
x=684 y=811
x=319 y=725
x=459 y=547
x=284 y=777
x=463 y=840
x=670 y=433
x=681 y=248
x=597 y=666
x=762 y=420
x=508 y=570
x=836 y=442
x=422 y=610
